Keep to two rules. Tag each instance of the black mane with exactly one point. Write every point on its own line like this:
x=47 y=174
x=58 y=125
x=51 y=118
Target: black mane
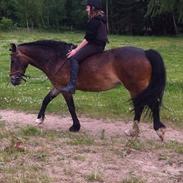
x=60 y=47
x=47 y=43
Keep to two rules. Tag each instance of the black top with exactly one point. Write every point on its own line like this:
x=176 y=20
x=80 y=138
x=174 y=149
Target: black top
x=96 y=31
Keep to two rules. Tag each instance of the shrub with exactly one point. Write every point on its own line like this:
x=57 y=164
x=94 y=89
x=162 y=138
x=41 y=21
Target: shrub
x=6 y=24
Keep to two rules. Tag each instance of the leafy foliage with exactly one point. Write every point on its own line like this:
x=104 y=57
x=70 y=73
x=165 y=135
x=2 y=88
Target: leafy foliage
x=127 y=16
x=6 y=24
x=158 y=7
x=124 y=17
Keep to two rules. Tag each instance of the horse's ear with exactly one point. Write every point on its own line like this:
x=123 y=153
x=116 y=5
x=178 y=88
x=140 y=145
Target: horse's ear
x=13 y=47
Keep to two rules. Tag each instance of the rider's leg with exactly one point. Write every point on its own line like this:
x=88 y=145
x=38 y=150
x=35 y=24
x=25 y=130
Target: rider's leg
x=71 y=86
x=84 y=52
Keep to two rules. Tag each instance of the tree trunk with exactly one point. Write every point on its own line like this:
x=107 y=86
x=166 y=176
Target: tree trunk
x=27 y=24
x=107 y=14
x=174 y=23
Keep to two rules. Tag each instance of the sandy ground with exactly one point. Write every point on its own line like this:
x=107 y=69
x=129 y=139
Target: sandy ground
x=92 y=126
x=145 y=164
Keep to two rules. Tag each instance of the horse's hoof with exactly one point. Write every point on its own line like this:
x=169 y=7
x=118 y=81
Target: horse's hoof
x=134 y=131
x=161 y=133
x=39 y=121
x=74 y=128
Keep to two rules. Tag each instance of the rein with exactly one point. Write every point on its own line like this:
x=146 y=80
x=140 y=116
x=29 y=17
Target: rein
x=61 y=67
x=24 y=77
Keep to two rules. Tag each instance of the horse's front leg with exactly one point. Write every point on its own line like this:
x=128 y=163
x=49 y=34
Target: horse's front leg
x=70 y=104
x=49 y=97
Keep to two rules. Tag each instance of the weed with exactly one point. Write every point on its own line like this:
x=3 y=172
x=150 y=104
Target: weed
x=2 y=124
x=31 y=131
x=132 y=180
x=40 y=156
x=28 y=174
x=94 y=177
x=81 y=139
x=134 y=144
x=175 y=146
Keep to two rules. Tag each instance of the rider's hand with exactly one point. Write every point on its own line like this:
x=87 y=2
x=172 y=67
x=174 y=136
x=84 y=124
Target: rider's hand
x=71 y=53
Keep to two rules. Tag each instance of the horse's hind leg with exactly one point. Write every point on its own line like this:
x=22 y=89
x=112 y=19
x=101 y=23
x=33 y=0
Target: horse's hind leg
x=70 y=103
x=134 y=131
x=159 y=127
x=49 y=97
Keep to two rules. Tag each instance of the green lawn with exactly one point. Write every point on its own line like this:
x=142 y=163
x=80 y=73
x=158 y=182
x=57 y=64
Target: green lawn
x=111 y=104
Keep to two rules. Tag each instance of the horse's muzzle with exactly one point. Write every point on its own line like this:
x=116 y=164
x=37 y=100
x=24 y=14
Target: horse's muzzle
x=16 y=80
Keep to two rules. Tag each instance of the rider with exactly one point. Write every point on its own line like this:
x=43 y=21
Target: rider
x=94 y=41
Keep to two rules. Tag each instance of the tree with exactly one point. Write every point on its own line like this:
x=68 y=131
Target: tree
x=170 y=10
x=53 y=13
x=8 y=9
x=75 y=15
x=124 y=16
x=127 y=16
x=30 y=12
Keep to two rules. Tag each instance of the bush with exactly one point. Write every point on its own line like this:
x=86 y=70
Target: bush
x=6 y=24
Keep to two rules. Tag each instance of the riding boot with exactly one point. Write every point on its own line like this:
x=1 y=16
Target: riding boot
x=71 y=86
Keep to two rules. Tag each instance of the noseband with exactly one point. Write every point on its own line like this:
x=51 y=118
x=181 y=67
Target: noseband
x=19 y=75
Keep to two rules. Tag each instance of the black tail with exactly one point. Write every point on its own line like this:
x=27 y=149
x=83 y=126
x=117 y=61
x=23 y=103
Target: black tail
x=152 y=95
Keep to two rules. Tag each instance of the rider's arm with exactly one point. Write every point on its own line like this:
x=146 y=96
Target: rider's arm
x=74 y=51
x=90 y=35
x=81 y=45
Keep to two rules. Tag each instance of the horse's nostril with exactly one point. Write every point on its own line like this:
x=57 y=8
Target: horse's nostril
x=15 y=81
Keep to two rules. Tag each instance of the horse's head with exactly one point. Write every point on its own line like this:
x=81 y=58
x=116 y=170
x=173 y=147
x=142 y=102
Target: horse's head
x=18 y=66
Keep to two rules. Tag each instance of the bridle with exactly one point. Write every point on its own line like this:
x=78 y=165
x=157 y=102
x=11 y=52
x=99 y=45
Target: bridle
x=19 y=75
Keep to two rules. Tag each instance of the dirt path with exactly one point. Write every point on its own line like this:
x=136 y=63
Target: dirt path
x=111 y=162
x=92 y=126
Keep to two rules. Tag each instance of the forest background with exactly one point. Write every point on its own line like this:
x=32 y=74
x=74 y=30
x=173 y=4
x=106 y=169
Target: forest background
x=132 y=17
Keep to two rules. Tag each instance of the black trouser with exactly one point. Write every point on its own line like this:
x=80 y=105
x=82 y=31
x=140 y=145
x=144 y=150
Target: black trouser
x=88 y=50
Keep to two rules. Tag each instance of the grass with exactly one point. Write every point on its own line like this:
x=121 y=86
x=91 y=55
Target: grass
x=175 y=146
x=81 y=139
x=31 y=131
x=30 y=154
x=132 y=179
x=16 y=160
x=94 y=177
x=136 y=144
x=131 y=145
x=27 y=174
x=111 y=104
